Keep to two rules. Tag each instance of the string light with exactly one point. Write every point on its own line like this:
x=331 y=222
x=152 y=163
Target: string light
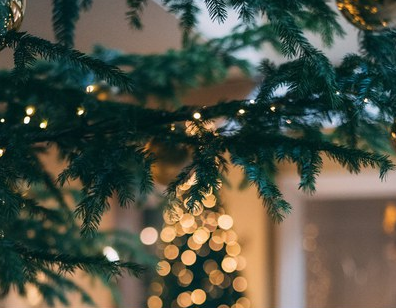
x=30 y=110
x=366 y=100
x=273 y=108
x=149 y=236
x=198 y=296
x=2 y=151
x=338 y=93
x=252 y=102
x=2 y=120
x=111 y=254
x=163 y=268
x=288 y=121
x=197 y=115
x=90 y=88
x=241 y=111
x=44 y=124
x=80 y=111
x=26 y=120
x=172 y=127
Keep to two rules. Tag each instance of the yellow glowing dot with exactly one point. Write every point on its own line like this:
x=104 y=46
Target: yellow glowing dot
x=163 y=268
x=288 y=121
x=172 y=127
x=192 y=244
x=2 y=120
x=216 y=277
x=184 y=300
x=209 y=201
x=154 y=302
x=30 y=110
x=90 y=88
x=241 y=263
x=225 y=222
x=338 y=93
x=168 y=234
x=2 y=151
x=80 y=111
x=171 y=252
x=252 y=101
x=209 y=266
x=187 y=220
x=26 y=120
x=393 y=134
x=149 y=236
x=197 y=115
x=198 y=296
x=156 y=288
x=241 y=111
x=239 y=284
x=273 y=108
x=244 y=302
x=366 y=100
x=229 y=264
x=185 y=277
x=43 y=124
x=188 y=257
x=200 y=236
x=215 y=246
x=233 y=249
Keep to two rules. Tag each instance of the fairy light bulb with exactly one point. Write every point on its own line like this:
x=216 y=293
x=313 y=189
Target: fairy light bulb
x=184 y=299
x=241 y=111
x=111 y=254
x=80 y=111
x=239 y=284
x=26 y=120
x=90 y=88
x=252 y=102
x=44 y=124
x=225 y=222
x=30 y=110
x=148 y=236
x=197 y=115
x=154 y=301
x=229 y=264
x=188 y=257
x=163 y=268
x=198 y=296
x=2 y=151
x=2 y=120
x=273 y=108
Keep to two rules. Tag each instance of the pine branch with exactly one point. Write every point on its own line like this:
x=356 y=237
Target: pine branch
x=65 y=14
x=136 y=7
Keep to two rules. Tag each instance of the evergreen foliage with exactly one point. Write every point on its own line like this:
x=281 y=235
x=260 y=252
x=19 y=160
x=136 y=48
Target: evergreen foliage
x=104 y=141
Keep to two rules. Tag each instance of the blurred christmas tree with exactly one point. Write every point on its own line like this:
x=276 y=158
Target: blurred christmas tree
x=90 y=114
x=200 y=258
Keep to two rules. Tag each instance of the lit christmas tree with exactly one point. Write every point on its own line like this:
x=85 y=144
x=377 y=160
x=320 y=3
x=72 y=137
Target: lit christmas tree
x=200 y=258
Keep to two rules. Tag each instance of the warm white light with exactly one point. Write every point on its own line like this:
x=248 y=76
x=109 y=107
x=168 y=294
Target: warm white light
x=111 y=254
x=188 y=257
x=229 y=264
x=80 y=111
x=366 y=100
x=241 y=111
x=26 y=120
x=225 y=222
x=90 y=89
x=197 y=115
x=163 y=268
x=198 y=296
x=252 y=101
x=239 y=284
x=172 y=127
x=2 y=120
x=337 y=93
x=30 y=110
x=2 y=151
x=149 y=236
x=43 y=125
x=288 y=121
x=154 y=302
x=273 y=108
